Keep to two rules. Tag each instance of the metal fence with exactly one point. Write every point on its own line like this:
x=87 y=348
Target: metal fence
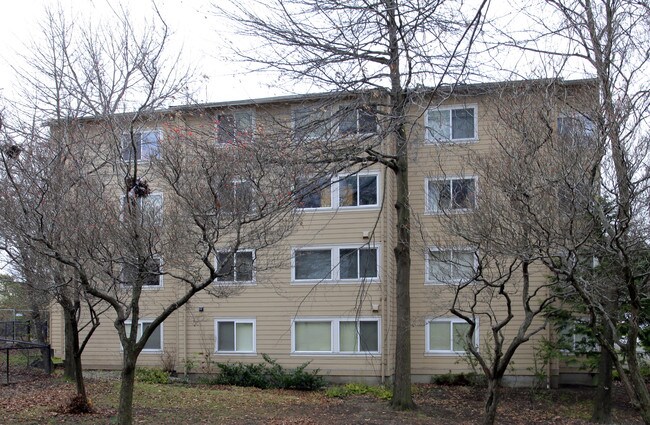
x=22 y=360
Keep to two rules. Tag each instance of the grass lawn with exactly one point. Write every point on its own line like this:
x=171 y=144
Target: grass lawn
x=40 y=401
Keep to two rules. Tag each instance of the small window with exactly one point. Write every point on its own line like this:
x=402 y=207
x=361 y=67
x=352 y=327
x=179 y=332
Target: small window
x=235 y=128
x=578 y=130
x=313 y=264
x=450 y=266
x=314 y=193
x=237 y=196
x=144 y=145
x=155 y=341
x=576 y=338
x=451 y=124
x=148 y=276
x=450 y=195
x=448 y=336
x=358 y=190
x=310 y=124
x=235 y=336
x=336 y=336
x=236 y=267
x=360 y=120
x=358 y=263
x=150 y=208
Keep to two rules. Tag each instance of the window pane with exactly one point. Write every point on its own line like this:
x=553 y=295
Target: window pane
x=225 y=129
x=314 y=194
x=149 y=144
x=439 y=336
x=439 y=195
x=152 y=272
x=152 y=209
x=129 y=274
x=368 y=120
x=243 y=193
x=226 y=336
x=440 y=266
x=244 y=265
x=309 y=123
x=244 y=337
x=348 y=192
x=313 y=336
x=225 y=267
x=369 y=335
x=460 y=330
x=438 y=125
x=155 y=340
x=349 y=263
x=463 y=265
x=367 y=190
x=348 y=336
x=313 y=264
x=127 y=146
x=463 y=191
x=462 y=123
x=368 y=262
x=244 y=126
x=348 y=121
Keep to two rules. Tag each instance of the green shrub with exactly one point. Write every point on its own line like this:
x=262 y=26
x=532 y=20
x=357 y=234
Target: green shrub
x=458 y=379
x=269 y=375
x=151 y=376
x=353 y=388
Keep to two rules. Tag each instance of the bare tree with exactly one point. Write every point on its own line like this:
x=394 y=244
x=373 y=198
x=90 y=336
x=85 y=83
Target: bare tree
x=609 y=39
x=88 y=193
x=533 y=183
x=391 y=47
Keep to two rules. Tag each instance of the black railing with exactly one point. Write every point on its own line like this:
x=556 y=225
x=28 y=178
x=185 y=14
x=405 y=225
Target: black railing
x=20 y=360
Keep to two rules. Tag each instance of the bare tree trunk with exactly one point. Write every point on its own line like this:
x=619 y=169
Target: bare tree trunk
x=492 y=401
x=73 y=366
x=640 y=387
x=602 y=409
x=125 y=410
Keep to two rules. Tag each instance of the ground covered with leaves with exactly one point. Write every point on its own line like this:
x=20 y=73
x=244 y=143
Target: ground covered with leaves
x=43 y=400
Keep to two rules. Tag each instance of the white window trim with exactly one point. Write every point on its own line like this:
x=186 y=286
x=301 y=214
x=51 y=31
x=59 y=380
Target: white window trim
x=236 y=320
x=161 y=279
x=450 y=320
x=335 y=271
x=427 y=195
x=160 y=327
x=427 y=257
x=433 y=141
x=127 y=135
x=334 y=335
x=233 y=113
x=236 y=282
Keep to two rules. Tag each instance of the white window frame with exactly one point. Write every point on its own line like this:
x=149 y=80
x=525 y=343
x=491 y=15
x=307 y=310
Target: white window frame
x=430 y=139
x=305 y=183
x=125 y=144
x=451 y=321
x=337 y=190
x=234 y=115
x=141 y=322
x=454 y=280
x=450 y=179
x=235 y=320
x=161 y=279
x=235 y=281
x=335 y=263
x=335 y=326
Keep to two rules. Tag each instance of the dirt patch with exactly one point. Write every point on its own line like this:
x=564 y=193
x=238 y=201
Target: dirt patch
x=42 y=401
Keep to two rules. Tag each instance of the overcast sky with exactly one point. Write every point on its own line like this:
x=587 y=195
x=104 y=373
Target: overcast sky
x=191 y=21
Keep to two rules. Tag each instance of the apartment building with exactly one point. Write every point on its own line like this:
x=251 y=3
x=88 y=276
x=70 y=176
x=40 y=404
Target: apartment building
x=325 y=294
